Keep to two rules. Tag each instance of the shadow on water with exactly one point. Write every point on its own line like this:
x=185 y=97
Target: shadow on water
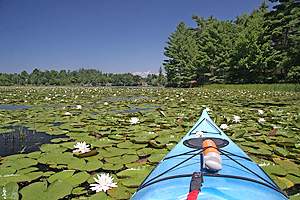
x=13 y=107
x=23 y=140
x=116 y=99
x=136 y=109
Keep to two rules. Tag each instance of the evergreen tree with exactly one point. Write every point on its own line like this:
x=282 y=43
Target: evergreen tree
x=215 y=43
x=182 y=52
x=283 y=27
x=252 y=58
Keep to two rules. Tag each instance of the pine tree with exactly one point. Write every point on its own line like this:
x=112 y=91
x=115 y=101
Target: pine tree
x=252 y=58
x=215 y=43
x=182 y=53
x=283 y=27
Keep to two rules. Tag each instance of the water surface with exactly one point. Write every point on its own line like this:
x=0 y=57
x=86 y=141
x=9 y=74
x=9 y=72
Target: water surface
x=23 y=140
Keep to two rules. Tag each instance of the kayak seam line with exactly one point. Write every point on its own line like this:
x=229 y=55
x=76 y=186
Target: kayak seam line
x=248 y=169
x=161 y=174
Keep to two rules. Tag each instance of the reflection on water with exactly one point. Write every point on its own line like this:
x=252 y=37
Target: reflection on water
x=13 y=107
x=23 y=140
x=136 y=109
x=116 y=99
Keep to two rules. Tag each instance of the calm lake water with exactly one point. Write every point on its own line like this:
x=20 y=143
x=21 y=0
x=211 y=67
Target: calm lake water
x=13 y=107
x=23 y=140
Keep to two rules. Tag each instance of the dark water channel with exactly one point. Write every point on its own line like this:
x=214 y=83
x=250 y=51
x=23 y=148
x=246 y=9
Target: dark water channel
x=23 y=140
x=13 y=107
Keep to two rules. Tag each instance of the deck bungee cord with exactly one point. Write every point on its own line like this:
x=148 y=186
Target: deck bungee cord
x=203 y=172
x=207 y=164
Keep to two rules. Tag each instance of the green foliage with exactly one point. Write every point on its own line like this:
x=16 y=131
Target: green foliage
x=82 y=77
x=262 y=47
x=183 y=54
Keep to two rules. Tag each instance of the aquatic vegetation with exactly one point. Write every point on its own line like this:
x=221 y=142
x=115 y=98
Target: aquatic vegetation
x=81 y=147
x=127 y=145
x=103 y=183
x=224 y=126
x=134 y=120
x=236 y=119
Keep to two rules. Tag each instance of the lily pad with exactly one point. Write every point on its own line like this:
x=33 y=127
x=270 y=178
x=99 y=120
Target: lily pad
x=9 y=191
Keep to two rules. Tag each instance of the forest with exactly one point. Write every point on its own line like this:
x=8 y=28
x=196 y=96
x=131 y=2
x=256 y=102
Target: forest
x=81 y=77
x=261 y=47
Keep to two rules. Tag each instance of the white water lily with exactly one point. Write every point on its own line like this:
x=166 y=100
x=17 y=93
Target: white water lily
x=181 y=100
x=81 y=147
x=236 y=119
x=260 y=112
x=199 y=134
x=79 y=107
x=4 y=193
x=224 y=126
x=105 y=103
x=103 y=183
x=67 y=114
x=261 y=120
x=264 y=164
x=134 y=120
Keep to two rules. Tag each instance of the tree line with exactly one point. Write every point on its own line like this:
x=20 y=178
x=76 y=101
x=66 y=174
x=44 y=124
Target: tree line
x=82 y=77
x=261 y=47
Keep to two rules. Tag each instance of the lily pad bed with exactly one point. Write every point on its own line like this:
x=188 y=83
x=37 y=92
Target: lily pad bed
x=128 y=144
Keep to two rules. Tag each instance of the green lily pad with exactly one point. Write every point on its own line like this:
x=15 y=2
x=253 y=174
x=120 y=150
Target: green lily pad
x=20 y=163
x=281 y=151
x=156 y=158
x=283 y=182
x=112 y=167
x=58 y=189
x=289 y=166
x=119 y=193
x=34 y=191
x=98 y=196
x=293 y=178
x=9 y=191
x=93 y=165
x=61 y=175
x=275 y=170
x=79 y=191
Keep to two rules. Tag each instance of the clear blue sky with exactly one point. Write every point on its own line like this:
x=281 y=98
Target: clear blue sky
x=109 y=35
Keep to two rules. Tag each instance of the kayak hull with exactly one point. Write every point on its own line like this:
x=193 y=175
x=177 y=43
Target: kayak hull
x=239 y=178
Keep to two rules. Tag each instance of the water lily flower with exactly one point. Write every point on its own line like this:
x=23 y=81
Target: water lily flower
x=224 y=126
x=261 y=120
x=199 y=134
x=134 y=120
x=67 y=114
x=260 y=112
x=4 y=195
x=181 y=100
x=81 y=147
x=105 y=103
x=264 y=164
x=79 y=107
x=236 y=119
x=103 y=183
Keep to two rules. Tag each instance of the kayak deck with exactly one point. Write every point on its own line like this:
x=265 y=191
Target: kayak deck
x=239 y=178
